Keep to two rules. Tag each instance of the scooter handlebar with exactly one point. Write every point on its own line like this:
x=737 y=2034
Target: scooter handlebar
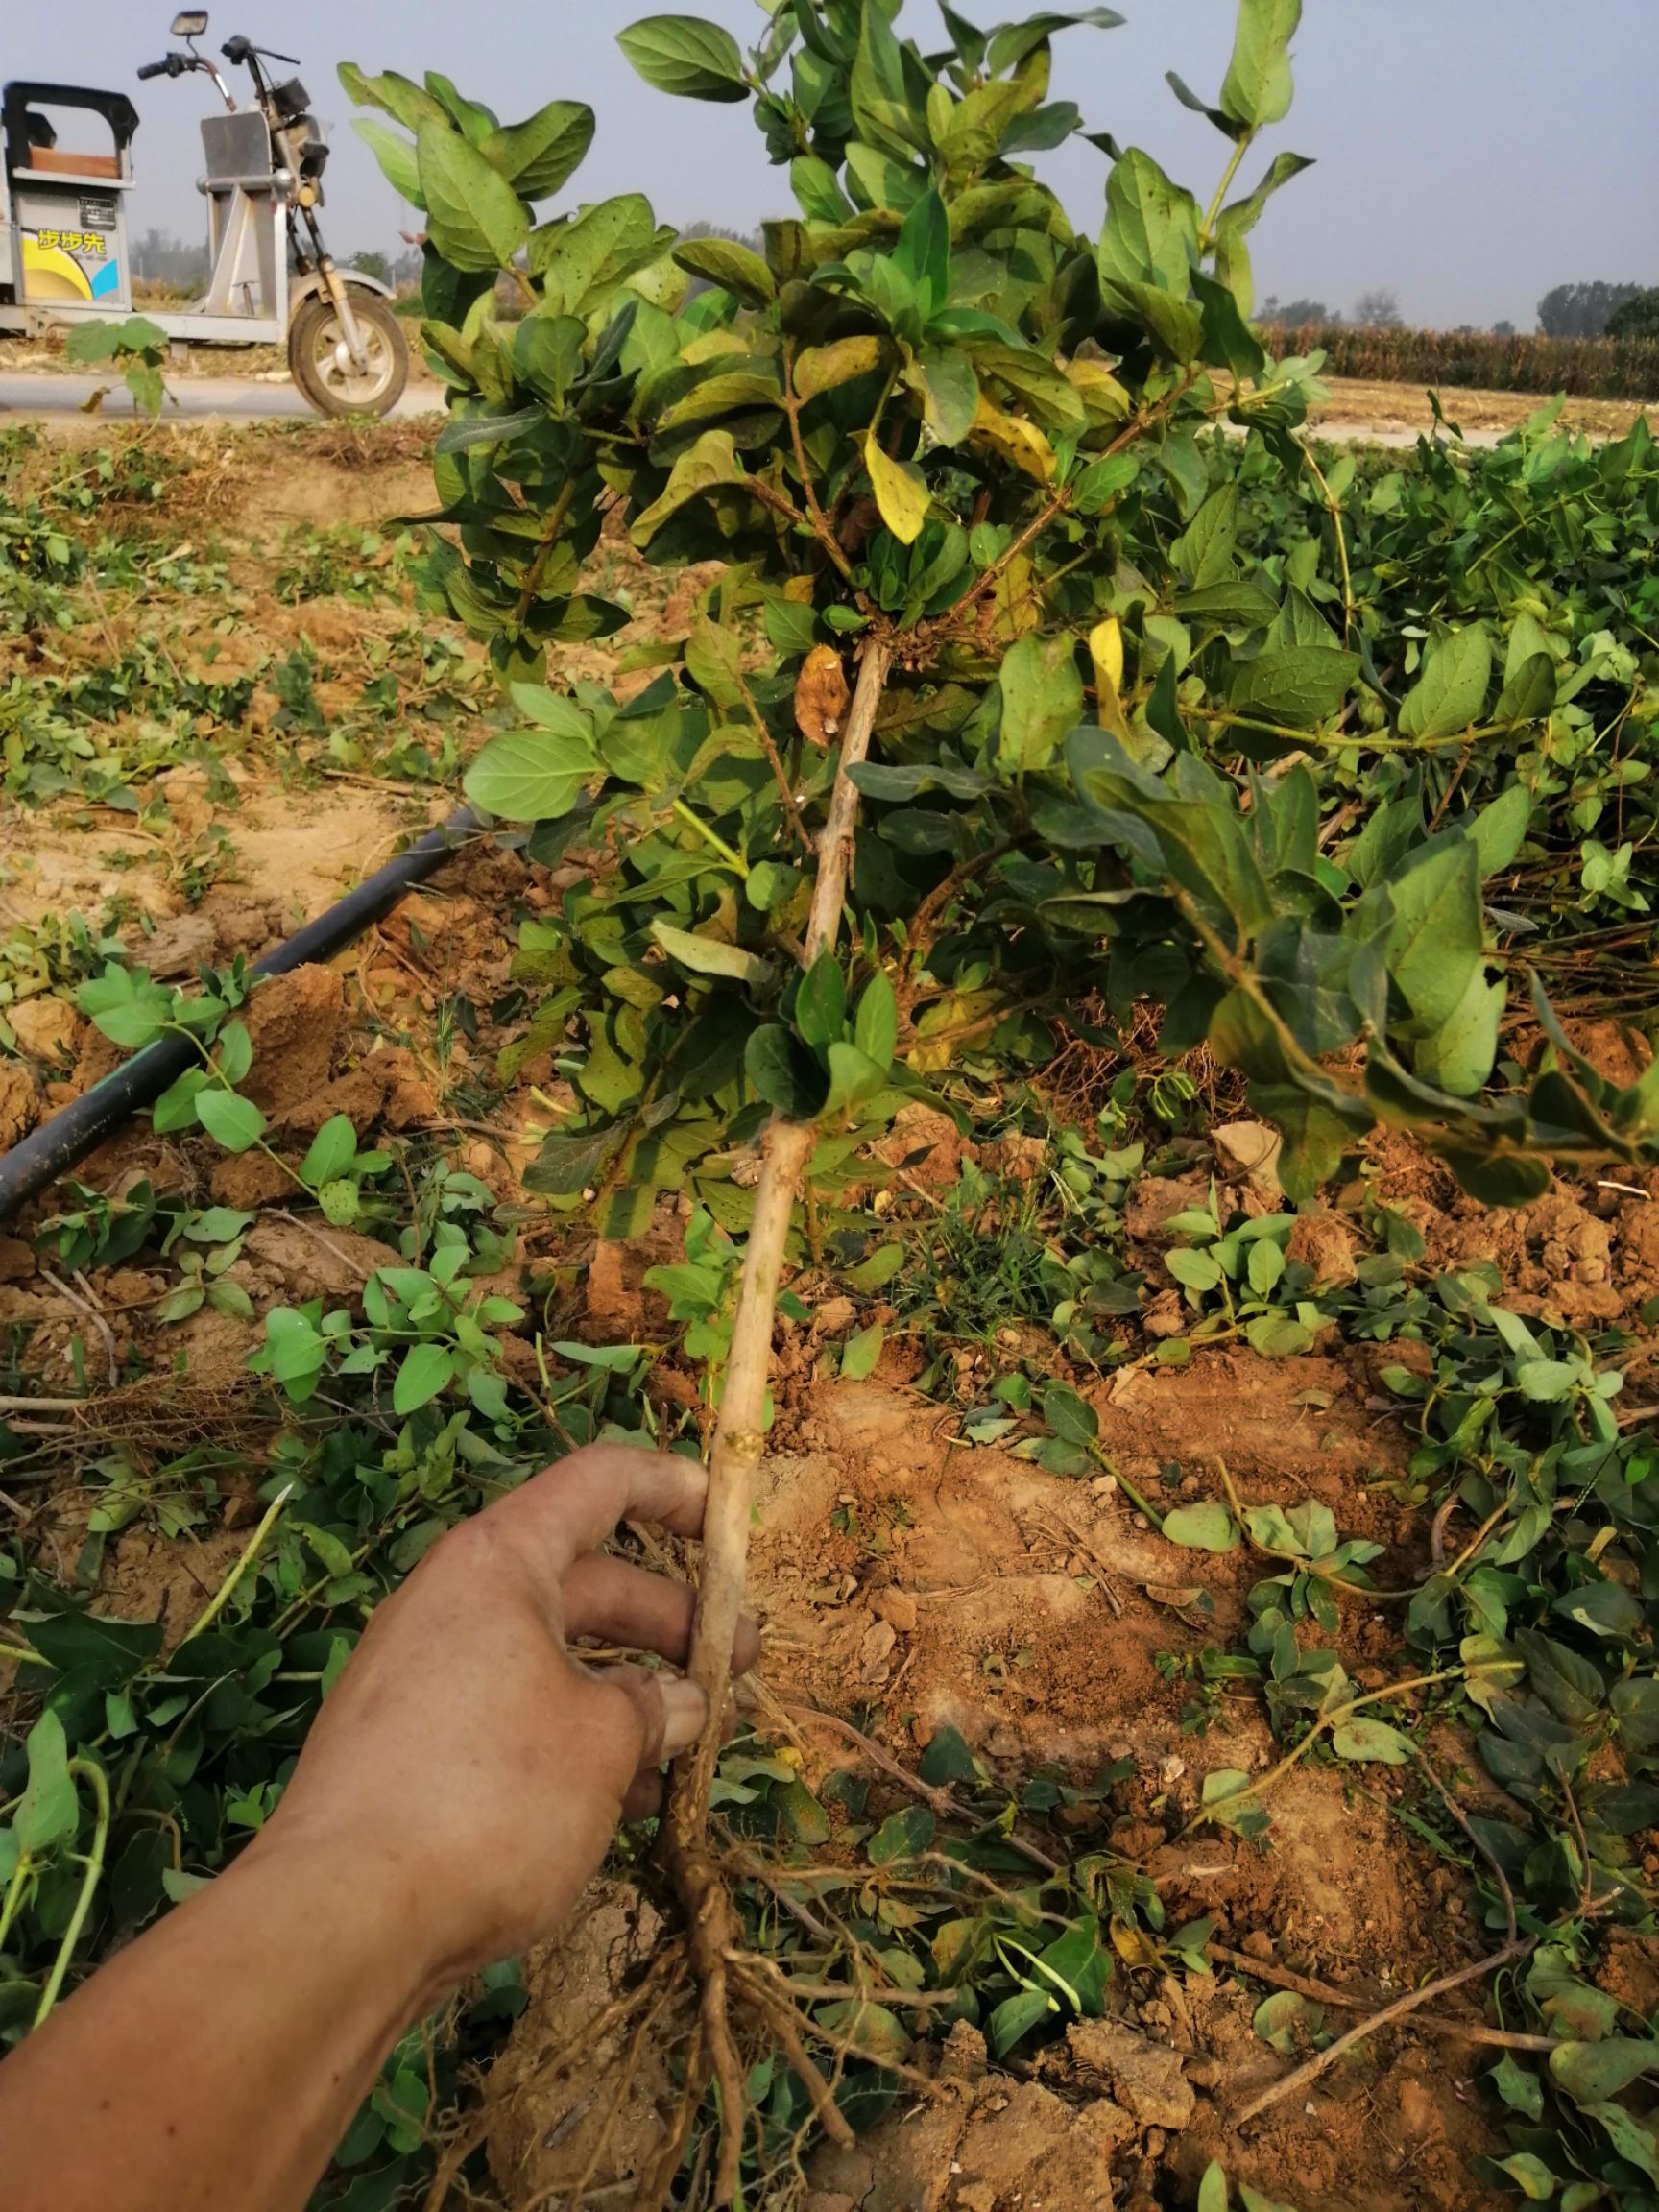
x=173 y=65
x=152 y=69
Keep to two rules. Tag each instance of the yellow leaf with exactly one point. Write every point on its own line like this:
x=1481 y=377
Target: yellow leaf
x=1022 y=445
x=901 y=491
x=1132 y=1945
x=1015 y=606
x=1105 y=401
x=1106 y=651
x=822 y=368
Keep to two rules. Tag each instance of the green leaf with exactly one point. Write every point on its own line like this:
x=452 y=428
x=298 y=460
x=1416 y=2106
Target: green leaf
x=827 y=368
x=704 y=468
x=1013 y=41
x=1366 y=1741
x=1229 y=1797
x=854 y=1078
x=1434 y=941
x=881 y=112
x=1300 y=684
x=1151 y=233
x=1258 y=89
x=1499 y=830
x=1069 y=1416
x=571 y=1160
x=234 y=1052
x=817 y=193
x=548 y=353
x=176 y=1108
x=1458 y=1057
x=326 y=1549
x=1449 y=695
x=686 y=55
x=540 y=155
x=1016 y=2016
x=1596 y=2073
x=125 y=1005
x=950 y=391
x=946 y=1760
x=426 y=1370
x=1605 y=1608
x=1212 y=2189
x=1203 y=553
x=296 y=1350
x=1206 y=1527
x=901 y=491
x=582 y=261
x=821 y=1002
x=1530 y=693
x=872 y=2030
x=1546 y=1382
x=861 y=1353
x=1193 y=1270
x=710 y=956
x=396 y=155
x=400 y=97
x=1519 y=2087
x=1284 y=2017
x=803 y=1817
x=735 y=269
x=48 y=1811
x=532 y=775
x=1228 y=342
x=904 y=1835
x=474 y=218
x=922 y=252
x=1633 y=2142
x=1530 y=2175
x=875 y=1030
x=332 y=1151
x=781 y=1072
x=1041 y=701
x=232 y=1121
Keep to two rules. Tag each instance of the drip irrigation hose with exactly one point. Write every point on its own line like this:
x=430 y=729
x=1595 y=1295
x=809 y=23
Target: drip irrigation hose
x=62 y=1142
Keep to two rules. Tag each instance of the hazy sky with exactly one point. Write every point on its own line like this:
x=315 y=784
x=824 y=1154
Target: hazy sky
x=1472 y=153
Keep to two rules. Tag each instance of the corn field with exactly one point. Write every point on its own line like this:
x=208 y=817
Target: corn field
x=1584 y=368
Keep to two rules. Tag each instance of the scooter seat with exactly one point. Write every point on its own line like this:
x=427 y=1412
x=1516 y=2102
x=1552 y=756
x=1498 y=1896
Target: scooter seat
x=52 y=161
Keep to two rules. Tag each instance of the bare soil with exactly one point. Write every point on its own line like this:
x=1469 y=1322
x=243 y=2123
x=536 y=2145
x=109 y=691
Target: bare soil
x=1364 y=403
x=903 y=1576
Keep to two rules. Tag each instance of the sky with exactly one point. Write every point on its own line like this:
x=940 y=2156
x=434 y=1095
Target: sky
x=1471 y=154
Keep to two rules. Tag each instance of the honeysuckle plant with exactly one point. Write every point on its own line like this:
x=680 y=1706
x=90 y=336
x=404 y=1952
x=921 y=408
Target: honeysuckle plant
x=991 y=704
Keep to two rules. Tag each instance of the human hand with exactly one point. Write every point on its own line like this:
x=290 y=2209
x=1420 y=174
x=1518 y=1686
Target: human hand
x=464 y=1756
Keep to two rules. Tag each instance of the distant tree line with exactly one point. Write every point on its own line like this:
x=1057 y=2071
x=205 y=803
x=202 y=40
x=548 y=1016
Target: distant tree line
x=1586 y=310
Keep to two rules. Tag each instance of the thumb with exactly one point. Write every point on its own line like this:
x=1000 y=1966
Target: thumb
x=672 y=1711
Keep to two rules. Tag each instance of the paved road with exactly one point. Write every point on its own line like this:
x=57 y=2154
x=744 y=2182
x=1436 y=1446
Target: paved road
x=200 y=398
x=245 y=399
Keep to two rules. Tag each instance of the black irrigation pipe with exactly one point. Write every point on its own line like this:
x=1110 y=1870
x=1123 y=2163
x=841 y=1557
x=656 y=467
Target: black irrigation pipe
x=63 y=1142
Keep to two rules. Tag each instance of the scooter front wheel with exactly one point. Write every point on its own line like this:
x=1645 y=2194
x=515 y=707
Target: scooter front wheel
x=322 y=361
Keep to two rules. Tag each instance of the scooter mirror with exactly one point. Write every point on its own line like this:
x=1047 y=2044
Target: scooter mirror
x=190 y=23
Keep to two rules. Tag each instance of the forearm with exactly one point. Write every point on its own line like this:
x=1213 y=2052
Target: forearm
x=214 y=2066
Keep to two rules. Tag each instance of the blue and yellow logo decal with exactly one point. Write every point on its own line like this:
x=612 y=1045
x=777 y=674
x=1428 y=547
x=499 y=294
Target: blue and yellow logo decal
x=53 y=266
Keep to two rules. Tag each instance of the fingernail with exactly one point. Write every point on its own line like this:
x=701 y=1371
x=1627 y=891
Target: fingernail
x=684 y=1715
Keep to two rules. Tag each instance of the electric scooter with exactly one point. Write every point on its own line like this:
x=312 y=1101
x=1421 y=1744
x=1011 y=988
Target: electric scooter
x=273 y=281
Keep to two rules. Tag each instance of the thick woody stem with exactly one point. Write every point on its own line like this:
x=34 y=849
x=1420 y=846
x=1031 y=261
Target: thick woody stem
x=713 y=1932
x=785 y=1149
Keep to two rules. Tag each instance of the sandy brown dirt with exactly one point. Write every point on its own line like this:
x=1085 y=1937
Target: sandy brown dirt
x=1357 y=401
x=914 y=1581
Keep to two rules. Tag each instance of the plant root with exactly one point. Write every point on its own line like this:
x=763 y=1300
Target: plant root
x=1304 y=2076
